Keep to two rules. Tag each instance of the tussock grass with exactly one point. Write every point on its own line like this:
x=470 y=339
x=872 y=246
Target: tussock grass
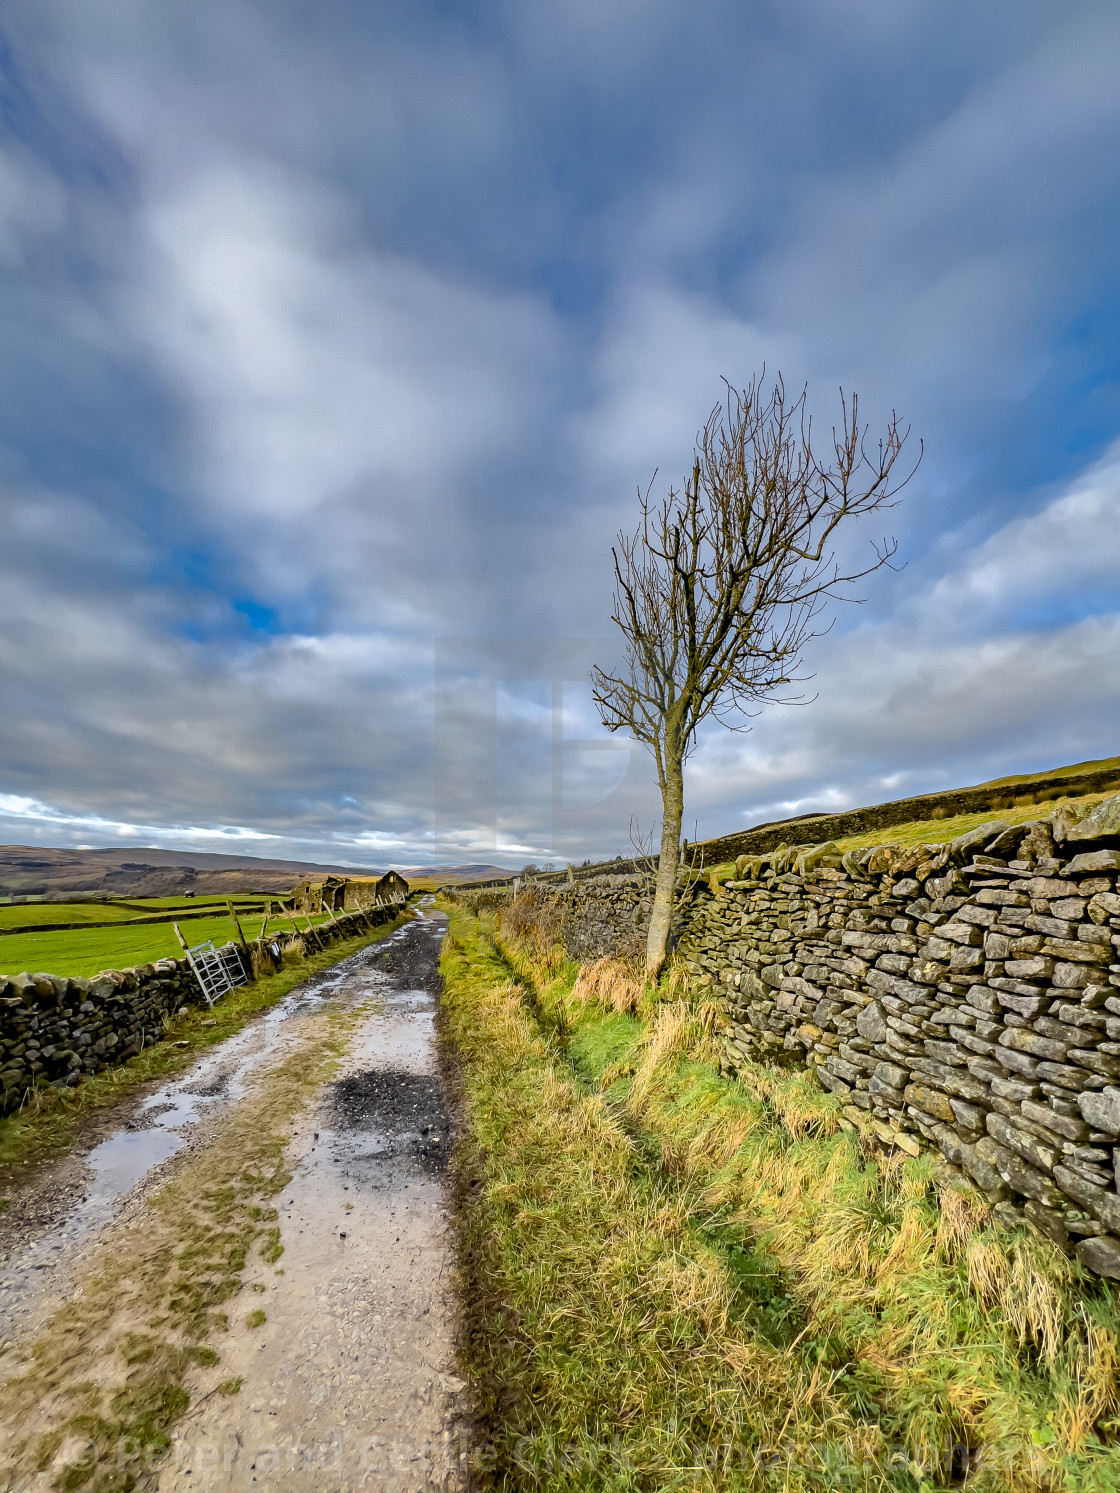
x=613 y=983
x=652 y=1245
x=604 y=1334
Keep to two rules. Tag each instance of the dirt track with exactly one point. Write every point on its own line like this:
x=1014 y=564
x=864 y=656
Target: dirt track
x=343 y=1343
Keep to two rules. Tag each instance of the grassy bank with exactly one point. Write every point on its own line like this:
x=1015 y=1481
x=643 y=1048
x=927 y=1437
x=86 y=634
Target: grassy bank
x=937 y=831
x=674 y=1280
x=50 y=1120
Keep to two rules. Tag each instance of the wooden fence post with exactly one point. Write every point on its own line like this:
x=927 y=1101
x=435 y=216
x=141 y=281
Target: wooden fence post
x=241 y=936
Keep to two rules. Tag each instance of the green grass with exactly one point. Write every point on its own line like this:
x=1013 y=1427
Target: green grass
x=938 y=831
x=656 y=1259
x=1077 y=769
x=87 y=951
x=110 y=907
x=217 y=899
x=47 y=1125
x=18 y=914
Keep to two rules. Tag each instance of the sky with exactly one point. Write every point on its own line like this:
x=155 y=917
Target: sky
x=338 y=338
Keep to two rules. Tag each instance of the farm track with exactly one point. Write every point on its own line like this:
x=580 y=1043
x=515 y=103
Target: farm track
x=348 y=1380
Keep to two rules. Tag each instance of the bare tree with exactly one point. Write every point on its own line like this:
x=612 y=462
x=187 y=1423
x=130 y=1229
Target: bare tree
x=724 y=582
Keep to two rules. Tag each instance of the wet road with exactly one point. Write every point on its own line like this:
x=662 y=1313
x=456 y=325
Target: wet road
x=345 y=1347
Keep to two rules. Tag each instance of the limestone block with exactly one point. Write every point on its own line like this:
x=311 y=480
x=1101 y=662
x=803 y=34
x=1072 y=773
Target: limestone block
x=1103 y=1205
x=1081 y=952
x=1101 y=1254
x=871 y=1023
x=1090 y=861
x=1019 y=1039
x=1028 y=1146
x=1102 y=822
x=930 y=1101
x=1101 y=1109
x=1106 y=1064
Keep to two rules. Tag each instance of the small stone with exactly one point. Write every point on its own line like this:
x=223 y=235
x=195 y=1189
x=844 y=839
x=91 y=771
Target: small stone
x=1042 y=1114
x=1104 y=1206
x=1021 y=1176
x=1018 y=1062
x=1072 y=976
x=1035 y=968
x=930 y=1102
x=1065 y=1076
x=1047 y=1221
x=1024 y=1000
x=982 y=1171
x=1097 y=1060
x=1020 y=1040
x=1029 y=1147
x=1101 y=823
x=1094 y=860
x=1081 y=951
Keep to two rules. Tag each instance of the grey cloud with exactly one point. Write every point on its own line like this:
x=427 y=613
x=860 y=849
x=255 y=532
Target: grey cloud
x=375 y=325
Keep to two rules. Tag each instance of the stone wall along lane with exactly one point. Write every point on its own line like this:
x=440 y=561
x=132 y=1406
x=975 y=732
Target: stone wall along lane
x=965 y=996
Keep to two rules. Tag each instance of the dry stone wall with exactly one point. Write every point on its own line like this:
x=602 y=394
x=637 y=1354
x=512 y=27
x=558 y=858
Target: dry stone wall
x=965 y=996
x=54 y=1029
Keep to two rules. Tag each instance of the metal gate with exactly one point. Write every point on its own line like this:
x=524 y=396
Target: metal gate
x=217 y=970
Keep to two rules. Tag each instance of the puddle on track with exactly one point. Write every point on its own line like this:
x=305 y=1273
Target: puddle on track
x=177 y=1112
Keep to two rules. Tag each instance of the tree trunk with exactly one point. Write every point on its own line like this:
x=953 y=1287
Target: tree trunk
x=672 y=812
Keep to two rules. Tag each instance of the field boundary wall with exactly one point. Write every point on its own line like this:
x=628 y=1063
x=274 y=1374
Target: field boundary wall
x=961 y=996
x=55 y=1028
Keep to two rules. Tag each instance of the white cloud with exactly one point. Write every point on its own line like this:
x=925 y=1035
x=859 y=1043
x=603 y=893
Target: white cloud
x=337 y=396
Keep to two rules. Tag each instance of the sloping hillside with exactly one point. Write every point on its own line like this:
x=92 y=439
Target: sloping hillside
x=34 y=871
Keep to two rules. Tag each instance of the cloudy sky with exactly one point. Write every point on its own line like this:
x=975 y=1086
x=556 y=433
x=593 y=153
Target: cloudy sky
x=338 y=336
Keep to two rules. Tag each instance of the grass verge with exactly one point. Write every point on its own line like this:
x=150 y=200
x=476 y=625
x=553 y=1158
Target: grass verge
x=51 y=1119
x=675 y=1280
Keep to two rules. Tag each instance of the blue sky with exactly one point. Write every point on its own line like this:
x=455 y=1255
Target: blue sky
x=335 y=331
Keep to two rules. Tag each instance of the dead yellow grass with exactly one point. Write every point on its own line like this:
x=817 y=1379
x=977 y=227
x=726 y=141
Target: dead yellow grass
x=613 y=983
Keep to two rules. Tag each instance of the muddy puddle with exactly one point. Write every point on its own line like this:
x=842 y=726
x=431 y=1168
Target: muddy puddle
x=181 y=1114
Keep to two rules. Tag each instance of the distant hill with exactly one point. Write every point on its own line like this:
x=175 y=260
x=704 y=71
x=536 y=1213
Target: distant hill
x=33 y=871
x=57 y=875
x=455 y=873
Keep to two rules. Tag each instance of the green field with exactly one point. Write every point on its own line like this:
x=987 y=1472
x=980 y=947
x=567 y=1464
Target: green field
x=87 y=951
x=25 y=914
